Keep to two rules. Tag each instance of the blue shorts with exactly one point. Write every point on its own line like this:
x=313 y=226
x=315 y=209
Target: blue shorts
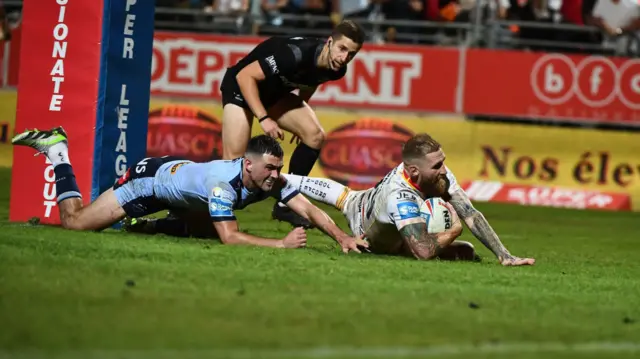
x=134 y=190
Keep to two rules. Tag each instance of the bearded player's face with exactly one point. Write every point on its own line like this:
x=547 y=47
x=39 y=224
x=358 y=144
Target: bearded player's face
x=265 y=171
x=432 y=169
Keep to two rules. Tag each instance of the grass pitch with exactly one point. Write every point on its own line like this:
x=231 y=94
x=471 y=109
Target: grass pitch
x=69 y=294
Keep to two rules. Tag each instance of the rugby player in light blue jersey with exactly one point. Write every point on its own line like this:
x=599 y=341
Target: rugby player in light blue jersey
x=214 y=189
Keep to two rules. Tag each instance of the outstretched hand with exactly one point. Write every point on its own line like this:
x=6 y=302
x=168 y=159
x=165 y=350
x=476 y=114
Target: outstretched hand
x=352 y=243
x=297 y=238
x=516 y=261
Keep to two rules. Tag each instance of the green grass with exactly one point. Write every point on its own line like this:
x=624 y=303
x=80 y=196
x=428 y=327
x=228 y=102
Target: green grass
x=64 y=294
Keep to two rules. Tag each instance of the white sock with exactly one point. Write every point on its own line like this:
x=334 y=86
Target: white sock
x=59 y=154
x=320 y=189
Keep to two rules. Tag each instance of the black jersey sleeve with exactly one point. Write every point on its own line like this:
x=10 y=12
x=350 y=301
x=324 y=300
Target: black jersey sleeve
x=283 y=60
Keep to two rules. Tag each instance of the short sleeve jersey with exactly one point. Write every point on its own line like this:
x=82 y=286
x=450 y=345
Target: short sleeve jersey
x=288 y=63
x=214 y=186
x=379 y=213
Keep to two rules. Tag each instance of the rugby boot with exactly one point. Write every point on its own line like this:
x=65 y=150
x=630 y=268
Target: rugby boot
x=139 y=225
x=41 y=141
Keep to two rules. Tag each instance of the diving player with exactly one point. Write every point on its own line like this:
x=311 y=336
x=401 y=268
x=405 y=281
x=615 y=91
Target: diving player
x=216 y=188
x=388 y=215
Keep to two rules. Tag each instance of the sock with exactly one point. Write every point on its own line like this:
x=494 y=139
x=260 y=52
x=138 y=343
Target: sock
x=302 y=161
x=58 y=153
x=320 y=189
x=66 y=186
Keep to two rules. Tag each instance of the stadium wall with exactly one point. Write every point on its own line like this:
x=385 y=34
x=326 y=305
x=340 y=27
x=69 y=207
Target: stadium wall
x=528 y=165
x=383 y=95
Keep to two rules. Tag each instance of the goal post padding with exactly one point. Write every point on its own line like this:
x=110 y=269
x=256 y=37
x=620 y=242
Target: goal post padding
x=86 y=66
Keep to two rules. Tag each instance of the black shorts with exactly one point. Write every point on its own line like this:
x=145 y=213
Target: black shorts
x=134 y=190
x=231 y=93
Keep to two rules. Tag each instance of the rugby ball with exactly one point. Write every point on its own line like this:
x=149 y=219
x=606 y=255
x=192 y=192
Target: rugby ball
x=438 y=214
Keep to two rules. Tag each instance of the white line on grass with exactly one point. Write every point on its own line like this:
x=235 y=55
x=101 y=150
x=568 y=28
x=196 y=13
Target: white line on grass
x=339 y=352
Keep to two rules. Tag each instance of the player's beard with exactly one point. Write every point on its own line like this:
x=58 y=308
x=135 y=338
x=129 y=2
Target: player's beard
x=437 y=187
x=441 y=187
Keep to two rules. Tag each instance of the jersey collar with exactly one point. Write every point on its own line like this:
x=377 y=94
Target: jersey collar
x=407 y=178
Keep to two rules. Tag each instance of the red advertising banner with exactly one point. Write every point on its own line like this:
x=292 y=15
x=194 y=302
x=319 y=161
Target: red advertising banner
x=591 y=88
x=380 y=77
x=424 y=79
x=549 y=196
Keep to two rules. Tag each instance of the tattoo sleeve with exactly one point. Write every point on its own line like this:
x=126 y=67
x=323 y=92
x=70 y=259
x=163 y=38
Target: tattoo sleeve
x=478 y=225
x=422 y=244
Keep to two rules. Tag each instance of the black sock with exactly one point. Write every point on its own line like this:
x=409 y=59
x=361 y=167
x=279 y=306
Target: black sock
x=66 y=186
x=171 y=226
x=303 y=159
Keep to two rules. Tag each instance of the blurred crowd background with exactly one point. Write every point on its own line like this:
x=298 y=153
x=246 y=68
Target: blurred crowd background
x=607 y=27
x=577 y=26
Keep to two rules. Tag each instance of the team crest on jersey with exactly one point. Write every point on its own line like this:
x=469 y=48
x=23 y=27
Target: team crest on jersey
x=220 y=193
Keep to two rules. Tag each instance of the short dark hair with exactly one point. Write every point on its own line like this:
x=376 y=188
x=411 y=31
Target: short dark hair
x=419 y=146
x=350 y=29
x=264 y=145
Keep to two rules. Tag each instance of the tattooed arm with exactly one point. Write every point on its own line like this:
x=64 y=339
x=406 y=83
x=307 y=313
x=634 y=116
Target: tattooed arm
x=413 y=228
x=421 y=244
x=428 y=246
x=481 y=229
x=478 y=225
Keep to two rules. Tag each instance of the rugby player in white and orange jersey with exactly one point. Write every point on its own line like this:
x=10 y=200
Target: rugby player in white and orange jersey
x=388 y=215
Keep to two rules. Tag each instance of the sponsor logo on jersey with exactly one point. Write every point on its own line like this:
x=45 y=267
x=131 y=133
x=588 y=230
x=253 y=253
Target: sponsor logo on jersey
x=272 y=64
x=408 y=210
x=220 y=207
x=175 y=167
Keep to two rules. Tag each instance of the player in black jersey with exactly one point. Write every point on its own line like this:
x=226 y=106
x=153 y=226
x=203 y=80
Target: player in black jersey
x=261 y=85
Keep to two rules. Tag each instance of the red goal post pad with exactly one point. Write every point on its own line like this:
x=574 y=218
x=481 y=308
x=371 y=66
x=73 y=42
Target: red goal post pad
x=86 y=66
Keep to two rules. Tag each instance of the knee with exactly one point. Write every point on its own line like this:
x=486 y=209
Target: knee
x=315 y=138
x=71 y=222
x=76 y=223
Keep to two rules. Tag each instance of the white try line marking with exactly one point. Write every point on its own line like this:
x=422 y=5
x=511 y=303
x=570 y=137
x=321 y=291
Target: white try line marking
x=340 y=352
